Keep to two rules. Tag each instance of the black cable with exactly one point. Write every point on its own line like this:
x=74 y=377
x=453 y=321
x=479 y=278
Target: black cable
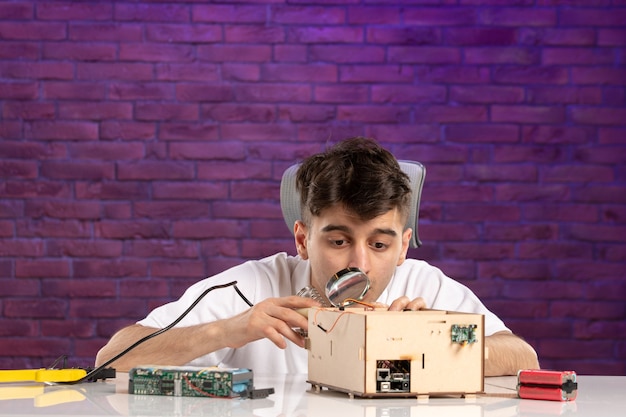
x=97 y=370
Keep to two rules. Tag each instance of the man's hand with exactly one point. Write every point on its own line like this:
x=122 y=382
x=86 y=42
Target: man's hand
x=273 y=318
x=405 y=303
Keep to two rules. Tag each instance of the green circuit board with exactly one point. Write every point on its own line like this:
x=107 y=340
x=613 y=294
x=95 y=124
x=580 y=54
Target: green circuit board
x=190 y=381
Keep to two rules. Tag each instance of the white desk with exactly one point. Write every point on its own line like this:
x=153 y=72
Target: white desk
x=597 y=396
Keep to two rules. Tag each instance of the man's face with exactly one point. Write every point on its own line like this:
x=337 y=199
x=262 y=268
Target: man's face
x=336 y=240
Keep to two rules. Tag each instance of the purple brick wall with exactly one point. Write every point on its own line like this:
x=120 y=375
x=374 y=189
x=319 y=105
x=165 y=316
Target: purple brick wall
x=142 y=144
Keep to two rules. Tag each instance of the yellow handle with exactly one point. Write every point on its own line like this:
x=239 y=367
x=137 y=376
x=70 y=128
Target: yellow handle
x=42 y=375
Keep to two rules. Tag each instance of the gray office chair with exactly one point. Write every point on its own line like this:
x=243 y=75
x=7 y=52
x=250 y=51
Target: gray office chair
x=290 y=197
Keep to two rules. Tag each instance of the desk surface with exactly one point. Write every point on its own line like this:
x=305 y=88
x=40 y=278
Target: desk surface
x=597 y=396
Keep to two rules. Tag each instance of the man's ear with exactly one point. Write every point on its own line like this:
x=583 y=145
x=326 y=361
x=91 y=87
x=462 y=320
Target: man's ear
x=406 y=237
x=300 y=233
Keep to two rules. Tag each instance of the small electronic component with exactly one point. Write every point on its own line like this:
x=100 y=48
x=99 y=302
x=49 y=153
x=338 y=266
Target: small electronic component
x=464 y=334
x=539 y=384
x=190 y=381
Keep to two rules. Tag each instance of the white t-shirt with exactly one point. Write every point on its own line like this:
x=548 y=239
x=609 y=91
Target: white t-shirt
x=282 y=275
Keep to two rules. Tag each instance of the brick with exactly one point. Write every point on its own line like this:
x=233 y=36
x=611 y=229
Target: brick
x=309 y=16
x=253 y=132
x=564 y=291
x=144 y=288
x=273 y=92
x=483 y=212
x=42 y=268
x=97 y=31
x=403 y=133
x=18 y=328
x=76 y=51
x=407 y=94
x=152 y=170
x=171 y=71
x=231 y=112
x=527 y=114
x=403 y=35
x=163 y=249
x=152 y=12
x=431 y=16
x=459 y=193
x=21 y=189
x=519 y=16
x=177 y=33
x=311 y=73
x=558 y=250
x=557 y=36
x=189 y=191
x=155 y=52
x=126 y=130
x=373 y=114
x=88 y=308
x=32 y=30
x=374 y=15
x=501 y=55
x=106 y=151
x=73 y=11
x=19 y=50
x=114 y=71
x=576 y=56
x=290 y=53
x=486 y=251
x=83 y=288
x=306 y=113
x=483 y=36
x=35 y=308
x=22 y=287
x=523 y=192
x=541 y=329
x=242 y=33
x=171 y=210
x=592 y=17
x=77 y=170
x=193 y=92
x=241 y=72
x=456 y=74
x=595 y=115
x=438 y=55
x=242 y=210
x=18 y=169
x=445 y=232
x=556 y=135
x=216 y=249
x=589 y=310
x=73 y=90
x=132 y=229
x=564 y=95
x=530 y=75
x=611 y=37
x=208 y=151
x=578 y=270
x=16 y=11
x=482 y=133
x=141 y=91
x=177 y=268
x=228 y=13
x=35 y=347
x=596 y=233
x=19 y=90
x=37 y=70
x=111 y=190
x=254 y=249
x=84 y=248
x=166 y=111
x=486 y=94
x=29 y=110
x=600 y=194
x=188 y=131
x=567 y=212
x=598 y=75
x=515 y=270
x=519 y=309
x=63 y=209
x=100 y=268
x=341 y=93
x=80 y=329
x=450 y=114
x=234 y=53
x=61 y=130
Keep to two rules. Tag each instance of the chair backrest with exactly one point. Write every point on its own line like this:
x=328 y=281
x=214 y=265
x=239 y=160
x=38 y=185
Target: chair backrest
x=290 y=197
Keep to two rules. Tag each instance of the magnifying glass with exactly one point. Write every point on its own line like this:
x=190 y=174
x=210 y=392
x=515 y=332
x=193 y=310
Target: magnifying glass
x=347 y=284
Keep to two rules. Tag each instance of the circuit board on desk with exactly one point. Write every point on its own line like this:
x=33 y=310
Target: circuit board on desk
x=190 y=381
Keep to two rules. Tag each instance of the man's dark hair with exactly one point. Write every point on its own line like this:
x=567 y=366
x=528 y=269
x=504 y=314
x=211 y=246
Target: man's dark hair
x=356 y=173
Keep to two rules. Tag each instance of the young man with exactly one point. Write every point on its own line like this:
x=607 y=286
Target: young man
x=355 y=202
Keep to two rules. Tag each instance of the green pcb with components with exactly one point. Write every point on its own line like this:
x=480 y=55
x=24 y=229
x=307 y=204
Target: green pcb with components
x=464 y=334
x=190 y=381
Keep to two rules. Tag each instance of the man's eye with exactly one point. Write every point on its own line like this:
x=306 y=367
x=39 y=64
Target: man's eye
x=339 y=242
x=379 y=245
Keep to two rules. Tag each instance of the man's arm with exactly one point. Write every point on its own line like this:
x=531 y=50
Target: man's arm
x=507 y=354
x=273 y=319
